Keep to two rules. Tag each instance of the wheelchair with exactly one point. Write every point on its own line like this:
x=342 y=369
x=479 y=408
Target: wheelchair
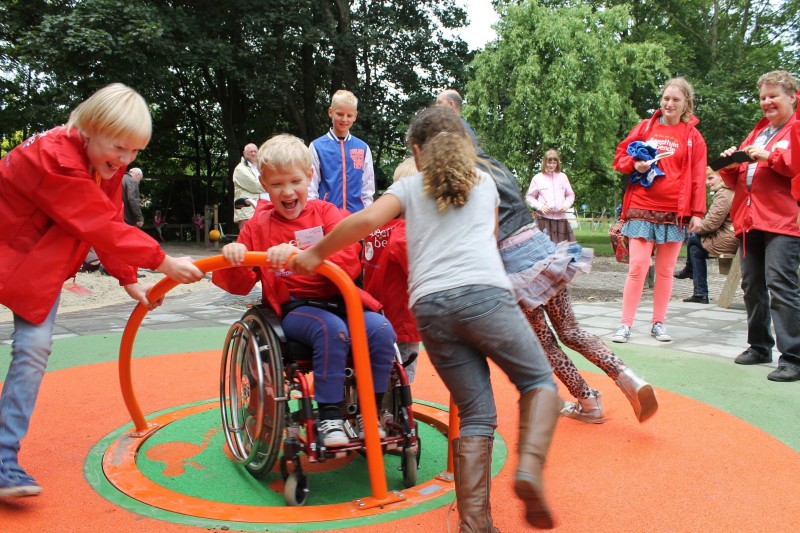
x=268 y=412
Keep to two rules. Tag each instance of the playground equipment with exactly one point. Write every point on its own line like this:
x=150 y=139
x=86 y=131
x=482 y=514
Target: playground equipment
x=266 y=406
x=402 y=439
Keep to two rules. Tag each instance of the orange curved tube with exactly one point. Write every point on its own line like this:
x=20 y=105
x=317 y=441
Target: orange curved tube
x=358 y=340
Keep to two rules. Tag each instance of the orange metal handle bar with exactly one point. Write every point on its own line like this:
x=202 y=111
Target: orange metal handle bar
x=358 y=341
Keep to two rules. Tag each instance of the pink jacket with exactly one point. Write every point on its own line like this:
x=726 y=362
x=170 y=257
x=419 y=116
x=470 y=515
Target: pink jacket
x=552 y=190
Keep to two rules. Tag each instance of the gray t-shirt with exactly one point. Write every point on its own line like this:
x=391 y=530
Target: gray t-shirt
x=454 y=248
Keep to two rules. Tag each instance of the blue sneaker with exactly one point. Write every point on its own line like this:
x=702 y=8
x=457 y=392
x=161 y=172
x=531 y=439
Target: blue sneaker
x=16 y=484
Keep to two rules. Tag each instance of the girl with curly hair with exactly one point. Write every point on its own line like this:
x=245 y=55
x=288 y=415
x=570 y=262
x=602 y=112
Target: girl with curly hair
x=465 y=309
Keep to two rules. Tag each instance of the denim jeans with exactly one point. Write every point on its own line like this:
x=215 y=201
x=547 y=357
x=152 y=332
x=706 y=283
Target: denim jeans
x=30 y=349
x=769 y=281
x=697 y=259
x=329 y=338
x=462 y=329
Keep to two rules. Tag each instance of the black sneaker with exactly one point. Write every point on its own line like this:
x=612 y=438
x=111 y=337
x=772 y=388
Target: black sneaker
x=696 y=299
x=752 y=357
x=784 y=373
x=683 y=274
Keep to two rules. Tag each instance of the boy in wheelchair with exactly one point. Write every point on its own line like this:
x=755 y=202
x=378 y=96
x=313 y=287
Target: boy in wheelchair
x=307 y=305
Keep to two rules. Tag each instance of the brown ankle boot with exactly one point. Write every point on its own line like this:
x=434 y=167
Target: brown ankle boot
x=473 y=475
x=539 y=409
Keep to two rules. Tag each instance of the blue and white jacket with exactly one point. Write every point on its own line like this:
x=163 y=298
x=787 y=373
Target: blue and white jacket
x=333 y=159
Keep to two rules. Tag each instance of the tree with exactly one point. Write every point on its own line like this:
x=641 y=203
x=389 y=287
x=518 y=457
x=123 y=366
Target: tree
x=561 y=78
x=221 y=74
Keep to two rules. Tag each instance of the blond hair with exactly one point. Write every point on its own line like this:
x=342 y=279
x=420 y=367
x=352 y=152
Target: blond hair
x=283 y=151
x=117 y=111
x=448 y=156
x=550 y=154
x=344 y=97
x=688 y=93
x=405 y=169
x=779 y=77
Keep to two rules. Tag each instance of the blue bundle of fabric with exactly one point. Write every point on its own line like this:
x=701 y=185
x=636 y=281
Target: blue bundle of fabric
x=644 y=152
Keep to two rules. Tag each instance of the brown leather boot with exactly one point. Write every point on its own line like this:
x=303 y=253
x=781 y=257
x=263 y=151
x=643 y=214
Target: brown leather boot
x=473 y=474
x=538 y=415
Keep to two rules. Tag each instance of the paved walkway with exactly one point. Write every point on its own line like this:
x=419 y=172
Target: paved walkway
x=695 y=328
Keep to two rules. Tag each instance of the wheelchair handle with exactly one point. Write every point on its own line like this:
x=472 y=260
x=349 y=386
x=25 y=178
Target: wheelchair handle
x=358 y=343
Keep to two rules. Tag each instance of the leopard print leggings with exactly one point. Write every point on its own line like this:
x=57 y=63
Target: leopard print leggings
x=559 y=309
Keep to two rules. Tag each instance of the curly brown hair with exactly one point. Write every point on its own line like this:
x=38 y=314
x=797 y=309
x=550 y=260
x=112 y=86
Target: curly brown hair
x=448 y=156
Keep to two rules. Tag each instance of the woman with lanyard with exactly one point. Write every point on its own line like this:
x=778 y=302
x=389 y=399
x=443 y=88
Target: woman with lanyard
x=765 y=218
x=658 y=210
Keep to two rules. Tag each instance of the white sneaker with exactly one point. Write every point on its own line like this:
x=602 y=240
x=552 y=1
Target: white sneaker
x=623 y=334
x=381 y=431
x=333 y=435
x=659 y=331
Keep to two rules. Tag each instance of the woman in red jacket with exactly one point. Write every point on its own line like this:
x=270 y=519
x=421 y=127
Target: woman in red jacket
x=657 y=214
x=61 y=195
x=765 y=218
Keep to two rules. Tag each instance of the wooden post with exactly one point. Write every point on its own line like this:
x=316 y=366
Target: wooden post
x=732 y=282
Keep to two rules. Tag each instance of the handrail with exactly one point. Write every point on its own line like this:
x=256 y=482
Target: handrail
x=358 y=341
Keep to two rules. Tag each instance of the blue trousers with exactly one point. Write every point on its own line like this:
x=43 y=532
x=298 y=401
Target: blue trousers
x=462 y=329
x=697 y=256
x=329 y=338
x=771 y=293
x=31 y=345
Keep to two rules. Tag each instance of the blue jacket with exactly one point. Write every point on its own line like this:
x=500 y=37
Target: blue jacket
x=333 y=158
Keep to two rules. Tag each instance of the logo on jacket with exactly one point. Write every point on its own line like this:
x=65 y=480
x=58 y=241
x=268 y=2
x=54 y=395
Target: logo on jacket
x=357 y=155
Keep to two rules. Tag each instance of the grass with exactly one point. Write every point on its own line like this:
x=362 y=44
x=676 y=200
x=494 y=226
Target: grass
x=597 y=238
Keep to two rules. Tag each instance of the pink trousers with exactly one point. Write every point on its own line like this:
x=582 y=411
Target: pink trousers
x=640 y=252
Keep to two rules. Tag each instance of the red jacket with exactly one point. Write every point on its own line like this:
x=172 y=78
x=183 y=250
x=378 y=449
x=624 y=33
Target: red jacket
x=691 y=198
x=386 y=276
x=768 y=205
x=268 y=228
x=51 y=212
x=795 y=154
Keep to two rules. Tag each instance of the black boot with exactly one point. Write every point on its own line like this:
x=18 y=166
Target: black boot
x=686 y=273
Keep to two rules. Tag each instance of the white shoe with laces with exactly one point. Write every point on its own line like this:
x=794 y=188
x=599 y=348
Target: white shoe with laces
x=622 y=335
x=333 y=435
x=659 y=331
x=360 y=420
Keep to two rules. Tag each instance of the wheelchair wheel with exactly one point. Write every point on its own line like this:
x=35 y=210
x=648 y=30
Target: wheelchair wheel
x=253 y=394
x=295 y=490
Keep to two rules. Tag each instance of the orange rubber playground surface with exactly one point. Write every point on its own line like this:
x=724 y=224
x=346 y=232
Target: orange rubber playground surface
x=680 y=471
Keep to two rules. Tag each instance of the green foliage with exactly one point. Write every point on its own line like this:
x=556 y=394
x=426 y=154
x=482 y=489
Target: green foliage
x=561 y=78
x=221 y=74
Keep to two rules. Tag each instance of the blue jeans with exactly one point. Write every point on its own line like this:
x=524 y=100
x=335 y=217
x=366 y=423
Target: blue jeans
x=329 y=338
x=461 y=329
x=697 y=256
x=30 y=349
x=769 y=281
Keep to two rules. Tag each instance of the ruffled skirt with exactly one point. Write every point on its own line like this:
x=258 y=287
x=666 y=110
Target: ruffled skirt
x=538 y=268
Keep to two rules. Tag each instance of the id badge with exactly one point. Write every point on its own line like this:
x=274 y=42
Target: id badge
x=308 y=237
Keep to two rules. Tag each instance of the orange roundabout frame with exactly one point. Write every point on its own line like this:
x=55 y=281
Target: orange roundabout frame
x=119 y=460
